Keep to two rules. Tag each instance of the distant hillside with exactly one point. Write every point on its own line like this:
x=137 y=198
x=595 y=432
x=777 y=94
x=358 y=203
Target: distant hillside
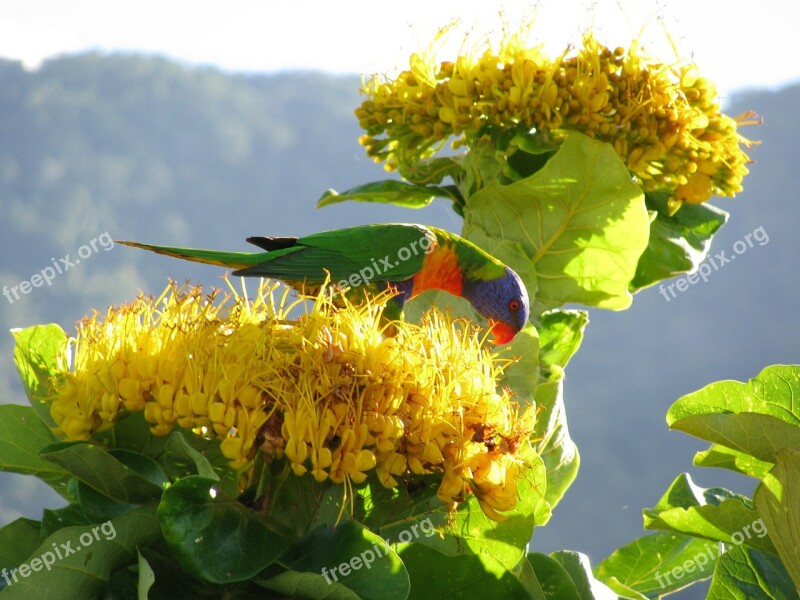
x=146 y=149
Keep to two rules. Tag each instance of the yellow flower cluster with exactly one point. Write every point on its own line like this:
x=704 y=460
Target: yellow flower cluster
x=327 y=391
x=664 y=121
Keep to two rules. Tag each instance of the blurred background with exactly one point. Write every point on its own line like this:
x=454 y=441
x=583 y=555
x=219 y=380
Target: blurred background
x=199 y=126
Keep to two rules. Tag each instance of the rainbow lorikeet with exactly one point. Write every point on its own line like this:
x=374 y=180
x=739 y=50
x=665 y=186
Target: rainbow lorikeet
x=408 y=258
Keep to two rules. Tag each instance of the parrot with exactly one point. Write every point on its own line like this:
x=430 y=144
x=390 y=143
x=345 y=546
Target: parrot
x=406 y=258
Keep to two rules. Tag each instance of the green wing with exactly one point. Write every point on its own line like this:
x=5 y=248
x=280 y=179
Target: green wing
x=383 y=252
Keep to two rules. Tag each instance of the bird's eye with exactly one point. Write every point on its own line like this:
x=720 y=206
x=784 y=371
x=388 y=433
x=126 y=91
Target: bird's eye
x=513 y=304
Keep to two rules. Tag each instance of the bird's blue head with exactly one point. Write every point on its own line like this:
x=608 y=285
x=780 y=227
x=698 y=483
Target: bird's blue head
x=503 y=301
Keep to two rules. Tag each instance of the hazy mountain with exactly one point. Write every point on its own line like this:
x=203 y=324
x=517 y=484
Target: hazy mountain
x=94 y=147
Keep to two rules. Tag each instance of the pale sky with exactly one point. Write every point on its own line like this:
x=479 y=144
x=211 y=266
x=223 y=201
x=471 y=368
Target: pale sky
x=733 y=47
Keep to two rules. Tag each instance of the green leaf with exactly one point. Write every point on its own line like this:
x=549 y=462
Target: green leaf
x=522 y=163
x=560 y=335
x=18 y=540
x=554 y=445
x=483 y=164
x=294 y=506
x=761 y=436
x=777 y=501
x=146 y=577
x=727 y=458
x=122 y=585
x=97 y=507
x=185 y=460
x=577 y=567
x=306 y=586
x=580 y=219
x=388 y=191
x=433 y=169
x=119 y=474
x=659 y=563
x=553 y=578
x=758 y=418
x=68 y=516
x=532 y=142
x=526 y=575
x=22 y=437
x=171 y=581
x=37 y=354
x=142 y=465
x=713 y=513
x=353 y=556
x=745 y=573
x=678 y=243
x=382 y=506
x=213 y=536
x=522 y=375
x=186 y=453
x=80 y=560
x=467 y=577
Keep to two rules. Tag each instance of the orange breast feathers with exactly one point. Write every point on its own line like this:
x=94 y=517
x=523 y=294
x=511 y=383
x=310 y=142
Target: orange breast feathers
x=440 y=271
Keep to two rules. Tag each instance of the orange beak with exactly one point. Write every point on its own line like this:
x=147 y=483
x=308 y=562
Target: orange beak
x=502 y=333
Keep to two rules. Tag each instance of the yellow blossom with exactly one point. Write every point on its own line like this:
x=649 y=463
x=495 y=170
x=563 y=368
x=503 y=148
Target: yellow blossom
x=664 y=120
x=328 y=391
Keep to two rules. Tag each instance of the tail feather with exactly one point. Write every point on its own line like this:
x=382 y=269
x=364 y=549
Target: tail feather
x=231 y=260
